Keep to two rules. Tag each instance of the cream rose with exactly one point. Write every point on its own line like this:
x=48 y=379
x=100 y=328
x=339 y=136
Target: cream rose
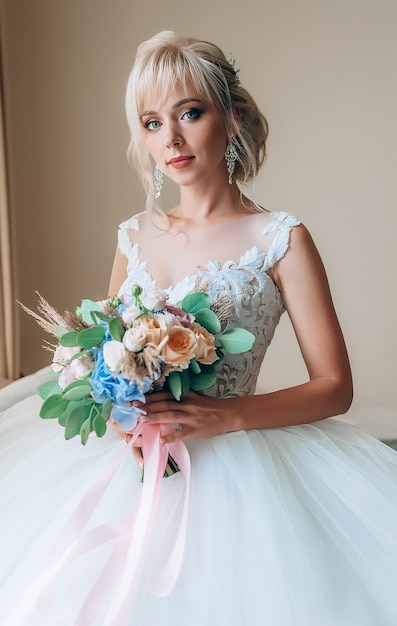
x=206 y=352
x=180 y=348
x=83 y=366
x=62 y=356
x=130 y=314
x=134 y=339
x=153 y=299
x=154 y=326
x=113 y=355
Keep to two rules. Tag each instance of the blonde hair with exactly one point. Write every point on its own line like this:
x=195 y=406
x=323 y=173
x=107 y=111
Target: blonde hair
x=168 y=59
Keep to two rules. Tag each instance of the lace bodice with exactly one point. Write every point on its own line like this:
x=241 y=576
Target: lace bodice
x=254 y=300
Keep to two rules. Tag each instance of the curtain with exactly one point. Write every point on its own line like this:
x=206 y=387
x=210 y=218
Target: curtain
x=9 y=340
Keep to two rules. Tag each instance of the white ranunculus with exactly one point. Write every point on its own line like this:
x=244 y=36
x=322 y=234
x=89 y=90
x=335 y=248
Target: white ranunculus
x=62 y=356
x=83 y=366
x=113 y=355
x=153 y=299
x=134 y=339
x=130 y=314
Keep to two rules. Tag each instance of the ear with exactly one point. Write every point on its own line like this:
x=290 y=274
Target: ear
x=237 y=116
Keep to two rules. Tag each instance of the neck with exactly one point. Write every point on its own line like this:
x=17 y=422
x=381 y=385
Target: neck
x=210 y=206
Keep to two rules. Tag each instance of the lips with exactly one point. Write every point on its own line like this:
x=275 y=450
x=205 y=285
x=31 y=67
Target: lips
x=180 y=161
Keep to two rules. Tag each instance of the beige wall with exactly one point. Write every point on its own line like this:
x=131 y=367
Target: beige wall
x=324 y=72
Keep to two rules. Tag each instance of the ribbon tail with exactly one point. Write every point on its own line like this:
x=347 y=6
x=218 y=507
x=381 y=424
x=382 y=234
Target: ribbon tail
x=155 y=462
x=169 y=575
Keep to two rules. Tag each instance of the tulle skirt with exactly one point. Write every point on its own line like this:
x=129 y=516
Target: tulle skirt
x=286 y=527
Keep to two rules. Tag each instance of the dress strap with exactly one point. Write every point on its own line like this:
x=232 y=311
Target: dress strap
x=125 y=243
x=281 y=226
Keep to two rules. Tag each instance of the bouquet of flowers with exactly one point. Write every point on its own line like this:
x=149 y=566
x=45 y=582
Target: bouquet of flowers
x=112 y=352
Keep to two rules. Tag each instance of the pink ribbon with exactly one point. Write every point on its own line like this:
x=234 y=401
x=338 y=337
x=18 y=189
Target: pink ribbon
x=131 y=535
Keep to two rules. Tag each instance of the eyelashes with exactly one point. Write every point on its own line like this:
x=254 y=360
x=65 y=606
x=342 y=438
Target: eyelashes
x=191 y=115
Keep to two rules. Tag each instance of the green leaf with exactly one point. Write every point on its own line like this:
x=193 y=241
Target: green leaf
x=85 y=431
x=105 y=409
x=87 y=308
x=195 y=367
x=193 y=302
x=61 y=330
x=175 y=384
x=47 y=389
x=69 y=339
x=90 y=337
x=54 y=406
x=209 y=320
x=99 y=425
x=77 y=390
x=185 y=381
x=75 y=421
x=116 y=329
x=98 y=315
x=63 y=418
x=236 y=340
x=204 y=380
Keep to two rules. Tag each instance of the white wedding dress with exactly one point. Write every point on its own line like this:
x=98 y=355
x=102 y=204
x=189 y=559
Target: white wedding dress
x=292 y=526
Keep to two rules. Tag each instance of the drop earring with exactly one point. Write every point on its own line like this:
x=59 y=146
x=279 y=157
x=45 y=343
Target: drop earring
x=231 y=158
x=158 y=181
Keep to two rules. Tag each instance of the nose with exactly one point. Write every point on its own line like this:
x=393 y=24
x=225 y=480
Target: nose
x=173 y=137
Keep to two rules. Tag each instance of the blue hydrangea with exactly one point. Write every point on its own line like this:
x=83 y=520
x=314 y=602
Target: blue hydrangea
x=120 y=390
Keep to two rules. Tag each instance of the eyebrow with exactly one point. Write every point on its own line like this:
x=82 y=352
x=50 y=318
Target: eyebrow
x=177 y=104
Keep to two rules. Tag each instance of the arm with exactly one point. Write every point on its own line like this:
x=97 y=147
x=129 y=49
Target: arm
x=302 y=280
x=119 y=273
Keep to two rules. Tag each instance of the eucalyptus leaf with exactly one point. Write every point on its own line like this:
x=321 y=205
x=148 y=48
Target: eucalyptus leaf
x=195 y=367
x=47 y=389
x=98 y=315
x=85 y=431
x=193 y=302
x=87 y=308
x=99 y=425
x=175 y=385
x=206 y=379
x=77 y=390
x=54 y=406
x=105 y=409
x=75 y=421
x=209 y=320
x=90 y=337
x=236 y=340
x=69 y=339
x=185 y=381
x=62 y=419
x=116 y=329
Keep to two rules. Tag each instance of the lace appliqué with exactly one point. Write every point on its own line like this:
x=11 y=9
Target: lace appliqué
x=253 y=299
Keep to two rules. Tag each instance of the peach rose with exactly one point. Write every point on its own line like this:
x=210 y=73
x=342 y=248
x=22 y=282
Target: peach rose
x=206 y=352
x=155 y=327
x=180 y=348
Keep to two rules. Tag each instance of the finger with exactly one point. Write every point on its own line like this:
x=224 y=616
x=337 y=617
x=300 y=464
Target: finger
x=138 y=456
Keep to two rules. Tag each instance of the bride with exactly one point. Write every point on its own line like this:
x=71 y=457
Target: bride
x=292 y=514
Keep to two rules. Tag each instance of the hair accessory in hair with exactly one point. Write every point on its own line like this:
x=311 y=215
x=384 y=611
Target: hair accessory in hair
x=158 y=181
x=232 y=62
x=231 y=157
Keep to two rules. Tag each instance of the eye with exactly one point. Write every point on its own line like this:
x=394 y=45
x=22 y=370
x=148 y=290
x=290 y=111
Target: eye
x=152 y=124
x=192 y=114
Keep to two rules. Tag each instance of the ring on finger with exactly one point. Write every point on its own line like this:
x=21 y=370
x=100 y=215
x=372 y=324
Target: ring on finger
x=176 y=426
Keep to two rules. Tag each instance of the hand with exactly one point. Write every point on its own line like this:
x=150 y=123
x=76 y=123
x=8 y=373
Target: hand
x=195 y=416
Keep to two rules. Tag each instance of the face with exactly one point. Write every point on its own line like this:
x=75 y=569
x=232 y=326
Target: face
x=186 y=136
